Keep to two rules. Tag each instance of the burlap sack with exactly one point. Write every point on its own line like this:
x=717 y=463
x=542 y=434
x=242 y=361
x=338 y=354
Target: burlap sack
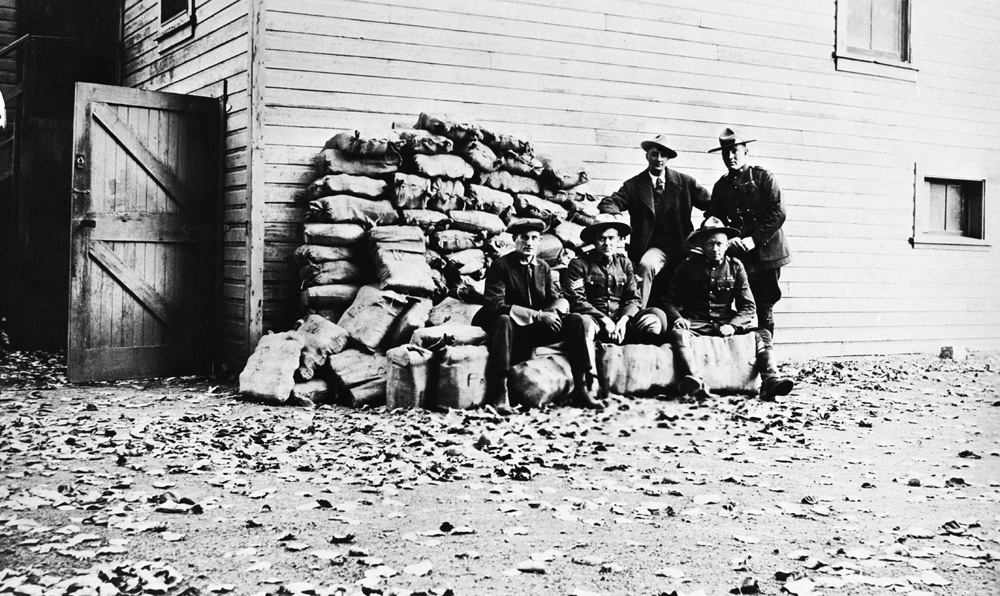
x=636 y=369
x=477 y=222
x=348 y=209
x=412 y=319
x=321 y=338
x=407 y=384
x=499 y=245
x=360 y=377
x=371 y=315
x=410 y=238
x=471 y=261
x=528 y=205
x=500 y=142
x=478 y=155
x=483 y=198
x=403 y=271
x=312 y=254
x=451 y=335
x=335 y=184
x=439 y=166
x=520 y=164
x=334 y=272
x=541 y=381
x=452 y=312
x=424 y=142
x=462 y=377
x=355 y=144
x=332 y=161
x=503 y=180
x=322 y=234
x=569 y=233
x=560 y=174
x=447 y=241
x=333 y=296
x=440 y=124
x=427 y=219
x=269 y=375
x=411 y=191
x=446 y=203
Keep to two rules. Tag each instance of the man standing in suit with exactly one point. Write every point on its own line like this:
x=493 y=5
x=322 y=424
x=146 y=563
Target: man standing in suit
x=524 y=309
x=659 y=202
x=748 y=198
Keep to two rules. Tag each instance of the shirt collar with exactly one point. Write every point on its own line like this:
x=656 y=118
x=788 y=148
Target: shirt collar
x=653 y=179
x=526 y=260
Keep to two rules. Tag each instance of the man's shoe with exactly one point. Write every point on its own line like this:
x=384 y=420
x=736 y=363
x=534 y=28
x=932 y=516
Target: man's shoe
x=502 y=409
x=775 y=386
x=691 y=385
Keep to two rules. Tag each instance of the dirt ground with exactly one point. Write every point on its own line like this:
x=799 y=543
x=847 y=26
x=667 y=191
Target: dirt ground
x=876 y=476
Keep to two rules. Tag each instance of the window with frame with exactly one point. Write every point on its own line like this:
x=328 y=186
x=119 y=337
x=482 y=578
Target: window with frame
x=949 y=210
x=873 y=37
x=175 y=15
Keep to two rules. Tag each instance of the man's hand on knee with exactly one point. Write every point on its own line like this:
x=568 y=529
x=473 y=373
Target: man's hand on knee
x=551 y=320
x=727 y=330
x=682 y=324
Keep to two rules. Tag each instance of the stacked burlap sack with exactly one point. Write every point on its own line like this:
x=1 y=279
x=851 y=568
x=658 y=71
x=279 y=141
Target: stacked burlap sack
x=399 y=224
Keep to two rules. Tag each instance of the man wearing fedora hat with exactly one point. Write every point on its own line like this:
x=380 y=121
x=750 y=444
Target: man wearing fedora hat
x=524 y=309
x=748 y=199
x=659 y=202
x=600 y=285
x=700 y=302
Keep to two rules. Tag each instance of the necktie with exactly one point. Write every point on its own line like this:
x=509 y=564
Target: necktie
x=659 y=185
x=527 y=279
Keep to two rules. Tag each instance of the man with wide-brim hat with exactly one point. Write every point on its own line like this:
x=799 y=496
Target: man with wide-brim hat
x=748 y=198
x=600 y=285
x=523 y=309
x=659 y=202
x=710 y=295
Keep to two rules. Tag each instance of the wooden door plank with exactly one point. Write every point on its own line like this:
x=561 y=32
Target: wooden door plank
x=133 y=226
x=160 y=172
x=146 y=294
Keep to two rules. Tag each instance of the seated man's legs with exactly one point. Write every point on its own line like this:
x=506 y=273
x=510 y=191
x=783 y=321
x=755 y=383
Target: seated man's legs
x=688 y=380
x=648 y=267
x=646 y=327
x=509 y=344
x=771 y=384
x=580 y=333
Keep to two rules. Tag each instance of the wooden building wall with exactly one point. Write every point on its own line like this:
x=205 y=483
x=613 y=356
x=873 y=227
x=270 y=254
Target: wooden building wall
x=590 y=79
x=8 y=33
x=215 y=59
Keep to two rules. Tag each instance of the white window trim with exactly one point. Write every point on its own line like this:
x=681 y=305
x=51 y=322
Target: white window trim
x=846 y=60
x=178 y=29
x=921 y=207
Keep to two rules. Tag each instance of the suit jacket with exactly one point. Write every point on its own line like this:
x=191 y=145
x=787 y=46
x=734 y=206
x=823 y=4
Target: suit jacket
x=636 y=197
x=751 y=203
x=507 y=285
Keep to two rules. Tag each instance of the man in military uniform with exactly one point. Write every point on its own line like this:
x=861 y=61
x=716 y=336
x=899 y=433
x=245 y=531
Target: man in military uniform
x=600 y=285
x=524 y=309
x=748 y=199
x=659 y=202
x=700 y=302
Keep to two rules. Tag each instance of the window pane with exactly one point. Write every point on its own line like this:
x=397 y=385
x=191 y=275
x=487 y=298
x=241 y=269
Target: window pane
x=935 y=208
x=859 y=22
x=887 y=20
x=171 y=8
x=953 y=208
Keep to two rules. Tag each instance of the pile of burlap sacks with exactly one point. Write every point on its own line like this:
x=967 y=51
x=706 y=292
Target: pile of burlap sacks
x=400 y=231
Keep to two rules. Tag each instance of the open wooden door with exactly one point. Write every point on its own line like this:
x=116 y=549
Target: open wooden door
x=144 y=233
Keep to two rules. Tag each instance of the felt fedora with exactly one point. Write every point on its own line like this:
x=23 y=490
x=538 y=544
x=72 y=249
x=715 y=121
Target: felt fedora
x=525 y=224
x=659 y=141
x=712 y=225
x=604 y=221
x=730 y=138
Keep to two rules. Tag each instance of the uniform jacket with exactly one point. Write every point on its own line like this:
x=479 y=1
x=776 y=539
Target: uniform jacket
x=751 y=203
x=636 y=197
x=601 y=289
x=507 y=285
x=701 y=296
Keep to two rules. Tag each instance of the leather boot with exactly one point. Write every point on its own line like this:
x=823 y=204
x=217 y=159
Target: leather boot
x=587 y=393
x=771 y=385
x=501 y=400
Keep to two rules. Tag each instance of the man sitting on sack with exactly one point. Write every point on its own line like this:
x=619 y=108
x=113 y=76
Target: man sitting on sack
x=600 y=285
x=524 y=309
x=658 y=201
x=700 y=300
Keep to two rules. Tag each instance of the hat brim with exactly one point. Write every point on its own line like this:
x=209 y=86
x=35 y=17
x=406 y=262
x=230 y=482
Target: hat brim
x=589 y=234
x=647 y=145
x=721 y=147
x=698 y=237
x=526 y=225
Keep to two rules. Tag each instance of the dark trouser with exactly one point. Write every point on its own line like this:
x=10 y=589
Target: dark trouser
x=766 y=292
x=633 y=334
x=682 y=352
x=511 y=343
